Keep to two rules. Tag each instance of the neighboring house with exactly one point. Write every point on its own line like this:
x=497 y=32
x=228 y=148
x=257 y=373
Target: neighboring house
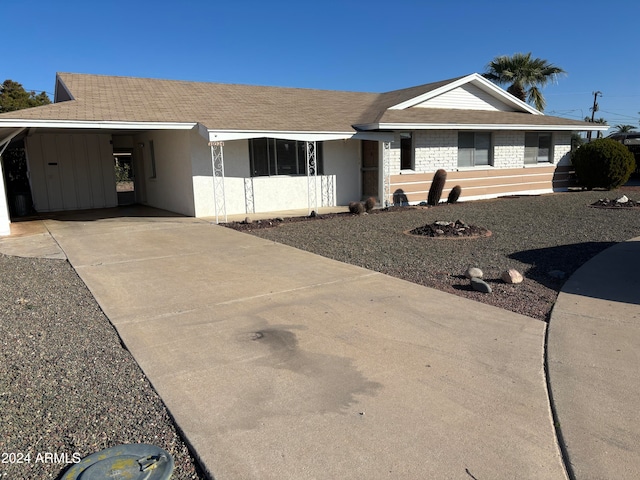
x=208 y=150
x=632 y=141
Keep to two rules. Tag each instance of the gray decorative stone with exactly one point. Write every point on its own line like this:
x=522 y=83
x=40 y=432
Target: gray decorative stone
x=480 y=285
x=622 y=199
x=511 y=276
x=442 y=223
x=473 y=272
x=248 y=220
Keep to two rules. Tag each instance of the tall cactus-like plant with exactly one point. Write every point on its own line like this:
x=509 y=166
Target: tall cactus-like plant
x=437 y=185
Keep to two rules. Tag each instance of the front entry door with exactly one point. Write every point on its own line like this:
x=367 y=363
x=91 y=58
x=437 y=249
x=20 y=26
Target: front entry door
x=369 y=169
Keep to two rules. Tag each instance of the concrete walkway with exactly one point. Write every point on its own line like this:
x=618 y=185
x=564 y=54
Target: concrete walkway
x=280 y=364
x=594 y=365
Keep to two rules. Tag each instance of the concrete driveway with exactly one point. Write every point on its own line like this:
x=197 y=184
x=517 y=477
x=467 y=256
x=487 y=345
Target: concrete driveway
x=280 y=364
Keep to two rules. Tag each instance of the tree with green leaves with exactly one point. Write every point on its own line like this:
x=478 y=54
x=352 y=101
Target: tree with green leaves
x=13 y=97
x=624 y=128
x=524 y=75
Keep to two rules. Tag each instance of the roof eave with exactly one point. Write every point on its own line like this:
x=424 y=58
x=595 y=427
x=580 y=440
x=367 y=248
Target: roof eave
x=479 y=126
x=96 y=124
x=217 y=135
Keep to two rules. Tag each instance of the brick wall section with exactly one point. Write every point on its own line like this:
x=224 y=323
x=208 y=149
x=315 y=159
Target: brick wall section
x=435 y=149
x=562 y=148
x=508 y=149
x=439 y=149
x=432 y=150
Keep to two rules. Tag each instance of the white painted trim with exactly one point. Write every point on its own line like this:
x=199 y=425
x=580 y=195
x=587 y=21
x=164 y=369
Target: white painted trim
x=226 y=135
x=482 y=126
x=479 y=81
x=102 y=124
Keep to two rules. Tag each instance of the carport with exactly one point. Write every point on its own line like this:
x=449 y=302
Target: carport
x=70 y=165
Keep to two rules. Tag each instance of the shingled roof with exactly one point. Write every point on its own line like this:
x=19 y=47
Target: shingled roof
x=217 y=106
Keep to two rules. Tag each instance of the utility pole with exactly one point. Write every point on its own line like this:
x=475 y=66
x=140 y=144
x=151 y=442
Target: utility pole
x=594 y=109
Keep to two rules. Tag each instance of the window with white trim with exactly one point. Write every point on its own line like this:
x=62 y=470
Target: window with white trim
x=537 y=148
x=275 y=156
x=474 y=149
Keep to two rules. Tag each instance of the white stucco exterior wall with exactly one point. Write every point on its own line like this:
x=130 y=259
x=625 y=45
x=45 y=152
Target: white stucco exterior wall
x=246 y=194
x=172 y=187
x=343 y=160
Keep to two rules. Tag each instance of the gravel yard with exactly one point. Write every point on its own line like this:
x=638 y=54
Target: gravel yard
x=67 y=385
x=534 y=234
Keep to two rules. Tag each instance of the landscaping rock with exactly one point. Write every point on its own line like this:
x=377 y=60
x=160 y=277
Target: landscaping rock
x=622 y=199
x=247 y=221
x=473 y=272
x=512 y=276
x=480 y=285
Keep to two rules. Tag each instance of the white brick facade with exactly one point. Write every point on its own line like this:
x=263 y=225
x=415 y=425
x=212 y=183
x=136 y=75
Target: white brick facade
x=508 y=149
x=439 y=149
x=562 y=148
x=435 y=149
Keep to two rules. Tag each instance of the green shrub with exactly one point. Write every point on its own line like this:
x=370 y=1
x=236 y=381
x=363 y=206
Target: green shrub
x=454 y=194
x=437 y=185
x=603 y=163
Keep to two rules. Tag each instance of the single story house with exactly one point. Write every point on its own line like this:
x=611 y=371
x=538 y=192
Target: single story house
x=209 y=149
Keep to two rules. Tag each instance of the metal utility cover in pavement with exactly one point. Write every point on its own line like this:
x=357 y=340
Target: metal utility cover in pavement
x=133 y=462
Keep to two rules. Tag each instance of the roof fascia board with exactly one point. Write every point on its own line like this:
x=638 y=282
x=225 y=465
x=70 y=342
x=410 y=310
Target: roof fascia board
x=110 y=125
x=481 y=83
x=375 y=136
x=482 y=126
x=227 y=135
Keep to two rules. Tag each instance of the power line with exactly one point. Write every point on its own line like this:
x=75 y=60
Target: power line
x=621 y=115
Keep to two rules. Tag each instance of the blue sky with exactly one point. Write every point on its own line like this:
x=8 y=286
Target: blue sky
x=372 y=46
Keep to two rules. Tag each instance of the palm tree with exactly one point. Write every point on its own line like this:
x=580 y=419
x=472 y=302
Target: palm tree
x=524 y=75
x=624 y=128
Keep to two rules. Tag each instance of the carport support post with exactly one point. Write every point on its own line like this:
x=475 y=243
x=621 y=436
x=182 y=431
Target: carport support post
x=312 y=185
x=386 y=174
x=217 y=163
x=5 y=222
